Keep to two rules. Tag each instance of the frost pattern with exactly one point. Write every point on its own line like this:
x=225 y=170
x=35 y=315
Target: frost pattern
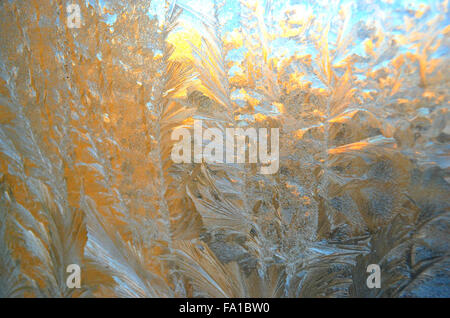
x=358 y=89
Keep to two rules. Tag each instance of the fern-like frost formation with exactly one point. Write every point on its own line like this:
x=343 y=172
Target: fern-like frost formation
x=358 y=90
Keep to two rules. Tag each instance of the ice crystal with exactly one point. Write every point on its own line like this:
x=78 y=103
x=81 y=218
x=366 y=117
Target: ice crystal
x=358 y=89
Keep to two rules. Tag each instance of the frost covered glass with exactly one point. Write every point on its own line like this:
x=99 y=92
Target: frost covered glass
x=224 y=148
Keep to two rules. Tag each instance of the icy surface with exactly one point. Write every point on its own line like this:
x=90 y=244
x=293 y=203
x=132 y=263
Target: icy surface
x=358 y=89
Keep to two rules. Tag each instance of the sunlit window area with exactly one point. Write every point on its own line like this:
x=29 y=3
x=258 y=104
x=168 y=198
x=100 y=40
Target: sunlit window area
x=224 y=149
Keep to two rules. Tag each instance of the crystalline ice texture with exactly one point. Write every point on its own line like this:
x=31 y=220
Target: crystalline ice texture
x=90 y=95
